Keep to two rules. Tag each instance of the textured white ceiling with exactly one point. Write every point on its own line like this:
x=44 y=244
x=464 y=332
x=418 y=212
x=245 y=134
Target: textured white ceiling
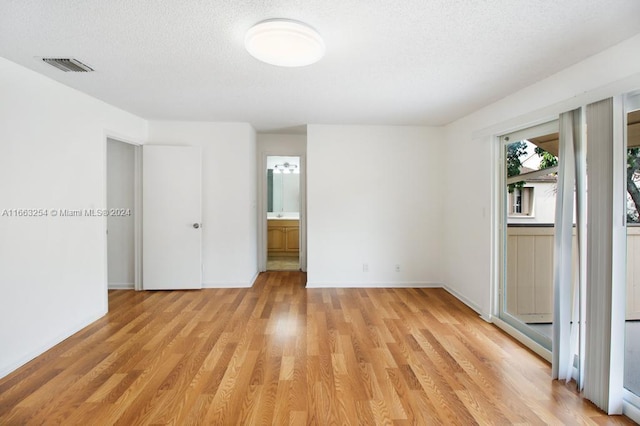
x=387 y=62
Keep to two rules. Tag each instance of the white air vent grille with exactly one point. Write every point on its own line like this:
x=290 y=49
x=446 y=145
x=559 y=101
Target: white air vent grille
x=68 y=64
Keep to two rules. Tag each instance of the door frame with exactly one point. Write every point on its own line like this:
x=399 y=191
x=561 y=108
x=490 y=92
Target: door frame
x=137 y=222
x=542 y=343
x=262 y=208
x=630 y=401
x=498 y=214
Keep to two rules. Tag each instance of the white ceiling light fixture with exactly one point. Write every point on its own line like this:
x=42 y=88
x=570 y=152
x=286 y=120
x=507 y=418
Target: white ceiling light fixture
x=284 y=43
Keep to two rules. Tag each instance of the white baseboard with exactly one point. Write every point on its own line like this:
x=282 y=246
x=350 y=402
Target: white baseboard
x=400 y=284
x=255 y=277
x=121 y=286
x=7 y=369
x=467 y=302
x=226 y=284
x=231 y=284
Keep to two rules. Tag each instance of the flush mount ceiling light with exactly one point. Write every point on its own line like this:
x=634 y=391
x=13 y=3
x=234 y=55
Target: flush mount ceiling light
x=284 y=42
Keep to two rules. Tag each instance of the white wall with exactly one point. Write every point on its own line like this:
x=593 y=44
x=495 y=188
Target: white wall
x=375 y=197
x=53 y=272
x=471 y=160
x=281 y=144
x=121 y=197
x=229 y=196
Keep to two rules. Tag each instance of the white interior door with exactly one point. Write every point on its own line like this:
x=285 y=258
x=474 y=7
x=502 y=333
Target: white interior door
x=172 y=209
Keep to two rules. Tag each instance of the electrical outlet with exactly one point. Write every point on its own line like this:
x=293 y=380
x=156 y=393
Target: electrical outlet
x=397 y=268
x=365 y=267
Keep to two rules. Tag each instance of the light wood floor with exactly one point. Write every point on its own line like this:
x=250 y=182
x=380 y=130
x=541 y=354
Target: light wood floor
x=280 y=354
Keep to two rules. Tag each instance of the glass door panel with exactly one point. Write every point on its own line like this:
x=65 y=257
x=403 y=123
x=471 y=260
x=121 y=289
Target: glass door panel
x=632 y=317
x=529 y=194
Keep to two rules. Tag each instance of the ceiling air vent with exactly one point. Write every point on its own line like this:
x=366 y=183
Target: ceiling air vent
x=68 y=64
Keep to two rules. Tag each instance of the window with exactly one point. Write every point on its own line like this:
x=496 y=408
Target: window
x=521 y=201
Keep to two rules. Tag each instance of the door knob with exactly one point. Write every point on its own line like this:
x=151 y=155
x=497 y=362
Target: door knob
x=196 y=225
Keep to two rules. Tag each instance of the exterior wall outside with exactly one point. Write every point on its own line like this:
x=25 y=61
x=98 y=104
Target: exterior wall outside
x=543 y=205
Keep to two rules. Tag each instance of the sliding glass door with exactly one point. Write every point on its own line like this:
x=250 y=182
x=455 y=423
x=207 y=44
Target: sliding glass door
x=571 y=301
x=530 y=166
x=632 y=186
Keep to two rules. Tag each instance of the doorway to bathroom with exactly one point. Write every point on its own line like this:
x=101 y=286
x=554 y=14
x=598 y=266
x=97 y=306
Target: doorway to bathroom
x=283 y=213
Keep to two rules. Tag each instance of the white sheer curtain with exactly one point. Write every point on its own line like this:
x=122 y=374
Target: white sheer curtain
x=567 y=278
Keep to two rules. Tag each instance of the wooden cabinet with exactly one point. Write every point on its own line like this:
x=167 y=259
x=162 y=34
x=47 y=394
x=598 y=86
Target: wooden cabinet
x=276 y=238
x=283 y=237
x=293 y=238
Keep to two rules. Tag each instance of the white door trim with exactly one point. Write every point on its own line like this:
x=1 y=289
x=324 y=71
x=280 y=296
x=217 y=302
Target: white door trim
x=262 y=209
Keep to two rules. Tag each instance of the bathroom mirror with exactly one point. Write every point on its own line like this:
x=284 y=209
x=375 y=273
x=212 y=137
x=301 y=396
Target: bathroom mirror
x=283 y=185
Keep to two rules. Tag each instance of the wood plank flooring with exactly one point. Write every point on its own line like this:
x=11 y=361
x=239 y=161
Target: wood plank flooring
x=280 y=354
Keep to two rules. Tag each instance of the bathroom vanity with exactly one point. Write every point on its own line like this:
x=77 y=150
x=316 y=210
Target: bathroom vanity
x=283 y=237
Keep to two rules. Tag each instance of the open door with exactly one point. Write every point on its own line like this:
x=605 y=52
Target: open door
x=172 y=210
